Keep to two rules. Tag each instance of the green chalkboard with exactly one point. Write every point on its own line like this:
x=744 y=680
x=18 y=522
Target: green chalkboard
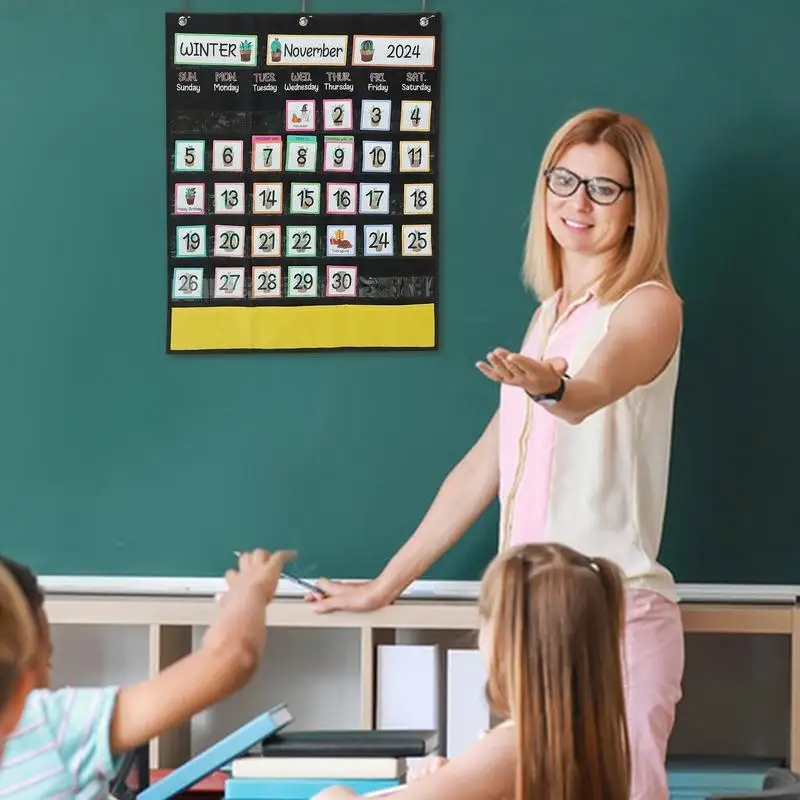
x=118 y=459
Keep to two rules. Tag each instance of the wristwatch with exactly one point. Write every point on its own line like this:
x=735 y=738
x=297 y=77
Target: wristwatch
x=551 y=398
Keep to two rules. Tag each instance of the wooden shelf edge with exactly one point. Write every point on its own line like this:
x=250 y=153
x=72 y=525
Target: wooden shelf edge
x=417 y=615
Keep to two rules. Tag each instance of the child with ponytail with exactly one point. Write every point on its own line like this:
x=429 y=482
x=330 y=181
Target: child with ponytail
x=551 y=623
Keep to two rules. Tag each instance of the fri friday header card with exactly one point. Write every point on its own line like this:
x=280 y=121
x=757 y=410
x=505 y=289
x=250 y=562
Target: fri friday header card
x=302 y=181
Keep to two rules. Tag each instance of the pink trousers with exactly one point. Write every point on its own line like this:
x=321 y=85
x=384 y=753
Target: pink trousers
x=654 y=658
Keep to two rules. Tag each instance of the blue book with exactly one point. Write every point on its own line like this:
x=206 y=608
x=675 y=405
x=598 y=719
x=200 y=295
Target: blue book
x=296 y=789
x=219 y=754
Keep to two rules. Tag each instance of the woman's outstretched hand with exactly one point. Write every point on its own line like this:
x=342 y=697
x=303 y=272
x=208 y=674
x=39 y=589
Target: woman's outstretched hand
x=530 y=374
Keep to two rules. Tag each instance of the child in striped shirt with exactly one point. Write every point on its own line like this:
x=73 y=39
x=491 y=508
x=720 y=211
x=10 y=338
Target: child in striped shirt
x=17 y=642
x=67 y=742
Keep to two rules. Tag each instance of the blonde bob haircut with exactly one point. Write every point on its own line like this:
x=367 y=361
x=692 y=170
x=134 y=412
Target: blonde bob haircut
x=642 y=255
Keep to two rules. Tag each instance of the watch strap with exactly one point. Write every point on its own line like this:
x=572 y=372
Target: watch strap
x=550 y=397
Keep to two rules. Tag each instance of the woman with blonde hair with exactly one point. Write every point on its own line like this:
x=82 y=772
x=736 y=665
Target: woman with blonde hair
x=579 y=448
x=550 y=635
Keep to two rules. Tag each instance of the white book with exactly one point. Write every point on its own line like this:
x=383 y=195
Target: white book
x=468 y=715
x=408 y=687
x=324 y=767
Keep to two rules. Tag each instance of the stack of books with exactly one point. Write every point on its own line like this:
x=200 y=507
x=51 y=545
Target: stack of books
x=266 y=762
x=297 y=765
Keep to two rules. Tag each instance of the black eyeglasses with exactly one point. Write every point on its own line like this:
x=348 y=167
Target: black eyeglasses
x=564 y=182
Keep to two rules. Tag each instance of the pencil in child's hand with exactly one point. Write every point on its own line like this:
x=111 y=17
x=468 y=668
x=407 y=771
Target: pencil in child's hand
x=310 y=586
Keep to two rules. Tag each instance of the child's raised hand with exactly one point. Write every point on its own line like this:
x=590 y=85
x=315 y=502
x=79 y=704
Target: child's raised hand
x=227 y=659
x=251 y=588
x=258 y=570
x=425 y=767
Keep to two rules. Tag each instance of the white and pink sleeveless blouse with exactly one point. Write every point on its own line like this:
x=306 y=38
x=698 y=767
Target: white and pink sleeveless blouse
x=599 y=487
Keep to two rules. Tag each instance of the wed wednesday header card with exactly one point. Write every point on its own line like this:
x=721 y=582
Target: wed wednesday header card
x=302 y=196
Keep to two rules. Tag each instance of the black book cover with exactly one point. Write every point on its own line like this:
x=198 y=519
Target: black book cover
x=351 y=744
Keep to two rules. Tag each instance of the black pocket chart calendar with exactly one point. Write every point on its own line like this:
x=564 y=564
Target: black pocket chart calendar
x=302 y=181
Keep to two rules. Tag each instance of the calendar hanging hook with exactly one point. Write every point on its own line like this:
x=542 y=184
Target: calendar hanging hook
x=424 y=20
x=183 y=20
